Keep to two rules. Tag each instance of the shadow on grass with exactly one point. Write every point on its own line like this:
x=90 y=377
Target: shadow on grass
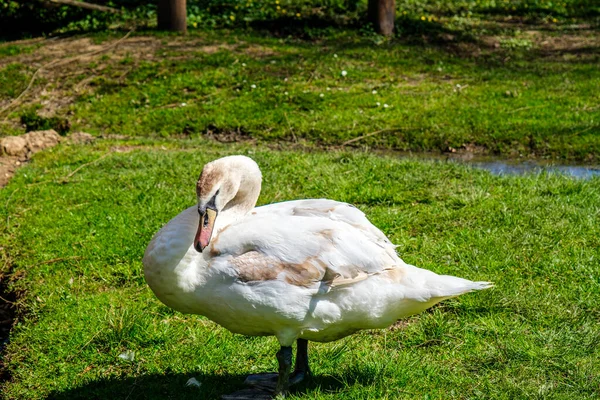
x=173 y=385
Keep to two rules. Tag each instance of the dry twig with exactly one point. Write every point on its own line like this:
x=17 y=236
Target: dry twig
x=89 y=6
x=59 y=259
x=66 y=178
x=525 y=108
x=356 y=139
x=290 y=128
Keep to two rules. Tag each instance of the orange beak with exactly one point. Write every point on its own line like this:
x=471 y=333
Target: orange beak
x=205 y=229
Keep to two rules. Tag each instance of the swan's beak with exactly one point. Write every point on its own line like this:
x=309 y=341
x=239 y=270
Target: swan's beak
x=207 y=223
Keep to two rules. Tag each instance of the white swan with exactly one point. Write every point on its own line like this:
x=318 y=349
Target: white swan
x=299 y=270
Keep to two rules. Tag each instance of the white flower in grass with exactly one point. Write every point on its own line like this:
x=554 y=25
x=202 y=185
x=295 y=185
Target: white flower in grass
x=385 y=106
x=243 y=64
x=183 y=104
x=253 y=86
x=127 y=356
x=193 y=382
x=378 y=104
x=335 y=56
x=344 y=73
x=374 y=92
x=321 y=95
x=286 y=93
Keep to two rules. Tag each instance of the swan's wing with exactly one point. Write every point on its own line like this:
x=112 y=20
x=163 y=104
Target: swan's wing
x=334 y=210
x=304 y=243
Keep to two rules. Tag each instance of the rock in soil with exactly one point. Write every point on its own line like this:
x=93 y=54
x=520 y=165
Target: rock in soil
x=15 y=150
x=13 y=145
x=81 y=138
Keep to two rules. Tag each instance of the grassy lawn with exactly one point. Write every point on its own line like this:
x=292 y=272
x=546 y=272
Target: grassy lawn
x=515 y=78
x=506 y=86
x=78 y=219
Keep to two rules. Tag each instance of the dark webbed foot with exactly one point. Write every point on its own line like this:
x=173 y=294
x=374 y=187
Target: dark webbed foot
x=275 y=384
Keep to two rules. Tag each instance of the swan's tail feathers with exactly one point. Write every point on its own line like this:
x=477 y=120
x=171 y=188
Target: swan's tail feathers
x=454 y=286
x=482 y=285
x=479 y=285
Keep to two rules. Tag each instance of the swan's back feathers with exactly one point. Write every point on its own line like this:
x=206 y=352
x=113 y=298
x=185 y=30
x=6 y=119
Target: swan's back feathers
x=321 y=243
x=305 y=242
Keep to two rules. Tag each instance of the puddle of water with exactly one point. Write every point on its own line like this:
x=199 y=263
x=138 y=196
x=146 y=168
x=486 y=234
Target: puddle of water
x=499 y=166
x=528 y=167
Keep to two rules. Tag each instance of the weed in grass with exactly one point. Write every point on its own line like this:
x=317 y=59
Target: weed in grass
x=35 y=122
x=13 y=80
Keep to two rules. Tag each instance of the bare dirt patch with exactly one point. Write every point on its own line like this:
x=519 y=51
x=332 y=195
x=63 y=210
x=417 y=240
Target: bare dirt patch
x=17 y=150
x=8 y=166
x=578 y=41
x=63 y=68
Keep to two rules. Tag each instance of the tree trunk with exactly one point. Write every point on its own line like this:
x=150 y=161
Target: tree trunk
x=172 y=15
x=382 y=14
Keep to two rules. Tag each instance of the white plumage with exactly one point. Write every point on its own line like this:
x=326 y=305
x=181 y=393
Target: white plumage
x=305 y=269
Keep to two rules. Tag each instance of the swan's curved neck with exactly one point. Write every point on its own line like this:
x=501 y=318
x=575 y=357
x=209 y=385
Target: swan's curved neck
x=244 y=200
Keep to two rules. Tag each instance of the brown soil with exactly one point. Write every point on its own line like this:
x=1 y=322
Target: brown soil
x=17 y=150
x=581 y=41
x=8 y=166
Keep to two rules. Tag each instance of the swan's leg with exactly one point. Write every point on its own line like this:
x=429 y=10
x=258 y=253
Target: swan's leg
x=280 y=383
x=284 y=356
x=302 y=369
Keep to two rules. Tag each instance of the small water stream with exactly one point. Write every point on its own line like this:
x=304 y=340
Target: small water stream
x=529 y=167
x=500 y=166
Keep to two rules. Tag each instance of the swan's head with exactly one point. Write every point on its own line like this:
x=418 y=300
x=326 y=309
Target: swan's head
x=229 y=183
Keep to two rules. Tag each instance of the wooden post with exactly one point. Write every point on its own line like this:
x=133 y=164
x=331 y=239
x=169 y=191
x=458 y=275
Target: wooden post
x=172 y=15
x=382 y=14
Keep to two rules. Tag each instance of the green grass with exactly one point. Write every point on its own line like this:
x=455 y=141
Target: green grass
x=458 y=75
x=295 y=91
x=76 y=246
x=13 y=80
x=13 y=50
